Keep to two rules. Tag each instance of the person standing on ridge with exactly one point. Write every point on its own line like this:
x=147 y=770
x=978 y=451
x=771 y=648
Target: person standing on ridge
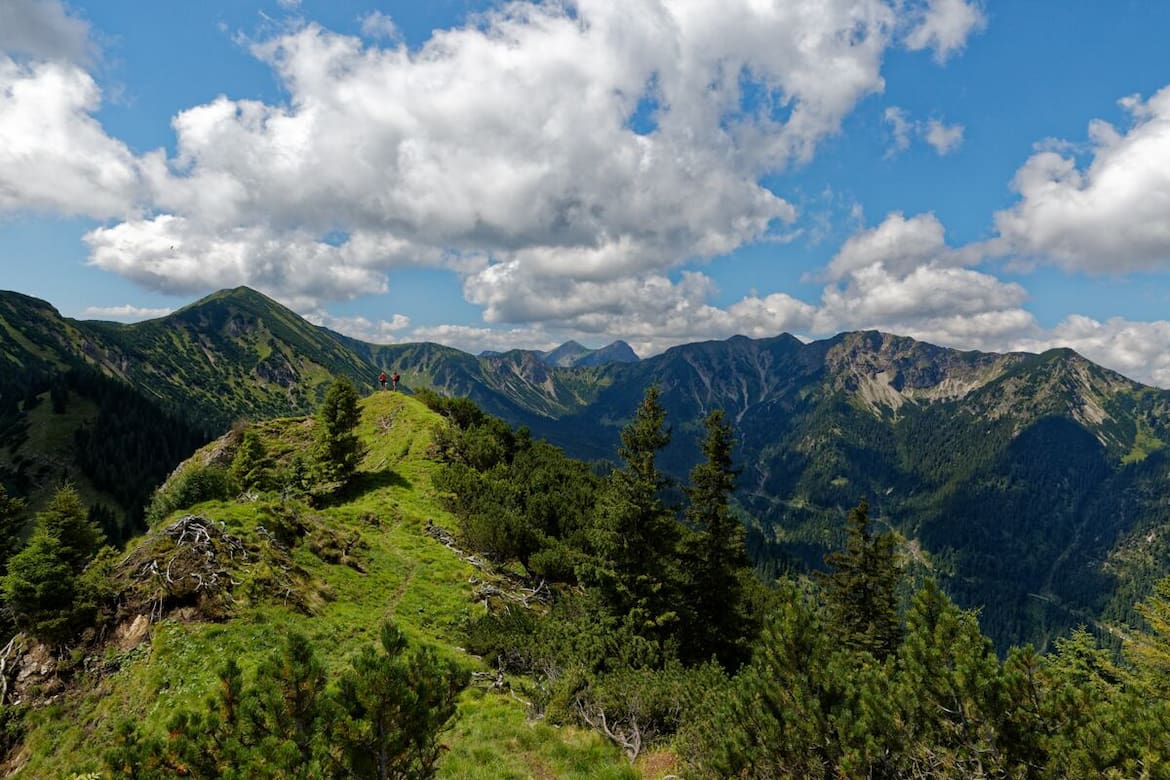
x=394 y=379
x=382 y=379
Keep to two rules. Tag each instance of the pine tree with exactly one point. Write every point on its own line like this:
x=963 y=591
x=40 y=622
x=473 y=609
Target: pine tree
x=394 y=706
x=274 y=727
x=251 y=467
x=285 y=710
x=338 y=449
x=633 y=534
x=715 y=558
x=861 y=593
x=40 y=588
x=1149 y=651
x=41 y=583
x=775 y=719
x=949 y=691
x=67 y=520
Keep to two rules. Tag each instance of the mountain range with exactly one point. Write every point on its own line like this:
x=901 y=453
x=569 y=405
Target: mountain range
x=1033 y=486
x=572 y=354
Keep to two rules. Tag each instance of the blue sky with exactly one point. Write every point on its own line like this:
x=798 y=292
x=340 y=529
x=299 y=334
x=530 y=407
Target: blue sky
x=991 y=175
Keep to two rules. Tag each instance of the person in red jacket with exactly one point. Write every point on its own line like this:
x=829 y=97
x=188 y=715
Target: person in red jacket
x=382 y=379
x=394 y=379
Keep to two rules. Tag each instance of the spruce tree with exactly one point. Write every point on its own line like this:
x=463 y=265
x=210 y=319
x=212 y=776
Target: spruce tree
x=40 y=589
x=67 y=520
x=861 y=592
x=715 y=558
x=251 y=467
x=41 y=583
x=633 y=534
x=338 y=449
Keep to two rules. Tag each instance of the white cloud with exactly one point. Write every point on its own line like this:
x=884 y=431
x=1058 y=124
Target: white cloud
x=898 y=244
x=358 y=327
x=125 y=313
x=44 y=30
x=901 y=127
x=473 y=339
x=944 y=138
x=510 y=138
x=378 y=25
x=901 y=277
x=175 y=255
x=948 y=305
x=944 y=26
x=1110 y=216
x=289 y=5
x=54 y=156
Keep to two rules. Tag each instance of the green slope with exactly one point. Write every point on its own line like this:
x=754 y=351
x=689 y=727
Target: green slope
x=395 y=570
x=1029 y=482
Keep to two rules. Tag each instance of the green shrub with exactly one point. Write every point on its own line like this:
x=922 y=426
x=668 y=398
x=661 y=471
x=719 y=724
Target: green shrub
x=189 y=487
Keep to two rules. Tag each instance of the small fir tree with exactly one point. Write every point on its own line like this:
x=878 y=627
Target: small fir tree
x=338 y=449
x=41 y=583
x=861 y=593
x=633 y=534
x=251 y=467
x=40 y=589
x=715 y=558
x=67 y=520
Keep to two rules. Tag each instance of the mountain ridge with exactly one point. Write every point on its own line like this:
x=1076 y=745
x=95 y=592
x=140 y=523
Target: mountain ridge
x=997 y=466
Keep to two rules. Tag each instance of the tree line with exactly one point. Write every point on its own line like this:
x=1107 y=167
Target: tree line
x=659 y=634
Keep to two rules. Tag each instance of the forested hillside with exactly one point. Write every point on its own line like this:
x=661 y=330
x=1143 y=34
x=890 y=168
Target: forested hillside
x=1031 y=486
x=292 y=611
x=387 y=590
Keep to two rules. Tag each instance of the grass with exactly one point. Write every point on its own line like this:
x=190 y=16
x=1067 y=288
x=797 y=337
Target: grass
x=1144 y=443
x=408 y=577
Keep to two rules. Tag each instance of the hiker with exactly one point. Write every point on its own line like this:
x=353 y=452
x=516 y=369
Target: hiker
x=394 y=379
x=382 y=379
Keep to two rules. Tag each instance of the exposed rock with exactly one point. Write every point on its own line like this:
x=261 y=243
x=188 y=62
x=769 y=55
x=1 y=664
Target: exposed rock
x=130 y=635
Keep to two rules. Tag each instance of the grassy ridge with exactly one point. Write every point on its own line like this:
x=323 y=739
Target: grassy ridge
x=406 y=575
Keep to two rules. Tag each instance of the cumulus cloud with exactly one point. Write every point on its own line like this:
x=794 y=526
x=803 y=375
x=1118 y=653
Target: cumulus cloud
x=511 y=138
x=947 y=305
x=54 y=156
x=474 y=339
x=44 y=30
x=944 y=138
x=943 y=26
x=174 y=255
x=900 y=128
x=898 y=244
x=902 y=277
x=358 y=327
x=125 y=313
x=378 y=25
x=1110 y=216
